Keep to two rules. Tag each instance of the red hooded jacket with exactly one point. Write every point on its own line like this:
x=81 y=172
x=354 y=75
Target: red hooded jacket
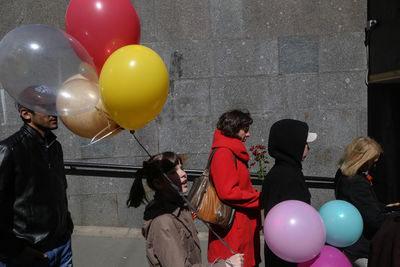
x=233 y=186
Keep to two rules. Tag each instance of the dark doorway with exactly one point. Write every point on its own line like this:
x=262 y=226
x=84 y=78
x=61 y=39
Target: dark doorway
x=383 y=27
x=383 y=40
x=384 y=127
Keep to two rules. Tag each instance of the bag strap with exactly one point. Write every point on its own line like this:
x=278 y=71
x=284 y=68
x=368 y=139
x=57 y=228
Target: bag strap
x=209 y=164
x=210 y=158
x=212 y=155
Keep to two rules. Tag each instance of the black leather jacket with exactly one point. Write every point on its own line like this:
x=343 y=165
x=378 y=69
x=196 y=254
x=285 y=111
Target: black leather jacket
x=33 y=199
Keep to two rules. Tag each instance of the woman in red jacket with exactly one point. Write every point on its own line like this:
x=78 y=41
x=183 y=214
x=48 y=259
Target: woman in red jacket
x=231 y=177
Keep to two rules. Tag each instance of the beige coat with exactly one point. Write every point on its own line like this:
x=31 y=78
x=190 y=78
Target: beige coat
x=171 y=236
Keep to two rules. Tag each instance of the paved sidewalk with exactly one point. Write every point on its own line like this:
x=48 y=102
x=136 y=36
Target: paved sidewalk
x=94 y=246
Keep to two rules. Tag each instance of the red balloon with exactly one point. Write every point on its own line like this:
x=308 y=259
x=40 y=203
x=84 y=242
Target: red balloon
x=102 y=26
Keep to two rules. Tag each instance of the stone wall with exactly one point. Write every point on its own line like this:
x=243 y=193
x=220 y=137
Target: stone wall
x=279 y=59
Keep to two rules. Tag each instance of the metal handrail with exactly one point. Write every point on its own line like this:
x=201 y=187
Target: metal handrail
x=127 y=171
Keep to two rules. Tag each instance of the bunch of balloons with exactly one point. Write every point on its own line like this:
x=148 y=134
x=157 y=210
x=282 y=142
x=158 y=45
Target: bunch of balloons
x=296 y=232
x=95 y=75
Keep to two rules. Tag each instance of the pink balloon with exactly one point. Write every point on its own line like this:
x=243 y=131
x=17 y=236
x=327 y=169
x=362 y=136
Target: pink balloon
x=329 y=257
x=294 y=231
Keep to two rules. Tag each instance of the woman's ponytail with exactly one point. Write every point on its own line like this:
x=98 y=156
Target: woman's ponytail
x=137 y=193
x=154 y=168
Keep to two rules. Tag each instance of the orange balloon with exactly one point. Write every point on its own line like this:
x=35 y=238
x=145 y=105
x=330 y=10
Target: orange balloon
x=77 y=93
x=92 y=123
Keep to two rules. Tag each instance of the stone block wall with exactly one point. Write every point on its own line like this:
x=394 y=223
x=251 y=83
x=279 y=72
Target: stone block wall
x=279 y=59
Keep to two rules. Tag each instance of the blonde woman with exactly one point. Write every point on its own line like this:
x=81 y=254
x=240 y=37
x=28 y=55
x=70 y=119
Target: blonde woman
x=354 y=184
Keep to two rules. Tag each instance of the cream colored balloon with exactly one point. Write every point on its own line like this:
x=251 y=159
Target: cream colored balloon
x=91 y=123
x=76 y=76
x=77 y=95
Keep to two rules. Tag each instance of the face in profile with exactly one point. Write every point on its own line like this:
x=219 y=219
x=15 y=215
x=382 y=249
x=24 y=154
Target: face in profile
x=243 y=134
x=179 y=177
x=44 y=121
x=305 y=153
x=371 y=163
x=40 y=121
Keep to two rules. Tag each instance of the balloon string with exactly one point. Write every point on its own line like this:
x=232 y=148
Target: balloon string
x=137 y=140
x=186 y=200
x=104 y=112
x=94 y=141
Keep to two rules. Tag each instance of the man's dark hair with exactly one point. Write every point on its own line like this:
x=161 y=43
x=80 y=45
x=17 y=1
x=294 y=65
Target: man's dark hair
x=231 y=122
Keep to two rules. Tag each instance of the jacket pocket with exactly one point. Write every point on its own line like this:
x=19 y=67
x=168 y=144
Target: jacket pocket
x=189 y=242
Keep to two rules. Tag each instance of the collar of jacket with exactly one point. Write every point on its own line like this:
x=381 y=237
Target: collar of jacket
x=235 y=145
x=175 y=205
x=160 y=205
x=48 y=140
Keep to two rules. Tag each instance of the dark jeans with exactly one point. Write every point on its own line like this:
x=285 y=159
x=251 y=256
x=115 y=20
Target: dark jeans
x=58 y=257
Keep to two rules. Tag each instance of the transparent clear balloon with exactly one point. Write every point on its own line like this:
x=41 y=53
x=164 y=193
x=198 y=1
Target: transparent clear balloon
x=38 y=66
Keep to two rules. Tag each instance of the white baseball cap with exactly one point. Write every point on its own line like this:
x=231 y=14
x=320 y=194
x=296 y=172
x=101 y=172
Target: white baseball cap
x=311 y=137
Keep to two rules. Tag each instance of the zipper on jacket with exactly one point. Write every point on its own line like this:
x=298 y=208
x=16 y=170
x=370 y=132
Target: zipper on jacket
x=46 y=146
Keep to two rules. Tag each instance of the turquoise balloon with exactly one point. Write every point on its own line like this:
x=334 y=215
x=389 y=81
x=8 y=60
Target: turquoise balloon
x=343 y=223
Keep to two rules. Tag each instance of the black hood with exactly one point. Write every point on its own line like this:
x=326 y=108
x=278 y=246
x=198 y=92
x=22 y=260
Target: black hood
x=287 y=139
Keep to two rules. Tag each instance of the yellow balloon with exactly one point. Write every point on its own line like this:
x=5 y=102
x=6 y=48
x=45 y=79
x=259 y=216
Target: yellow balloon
x=134 y=86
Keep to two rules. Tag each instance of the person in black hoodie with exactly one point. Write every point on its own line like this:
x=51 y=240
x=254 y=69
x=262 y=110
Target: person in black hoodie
x=288 y=144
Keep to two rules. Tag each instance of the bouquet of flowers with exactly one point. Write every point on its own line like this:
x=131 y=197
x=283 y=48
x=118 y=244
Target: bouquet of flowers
x=260 y=157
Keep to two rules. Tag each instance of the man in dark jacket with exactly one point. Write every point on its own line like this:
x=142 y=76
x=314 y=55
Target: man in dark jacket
x=35 y=225
x=288 y=144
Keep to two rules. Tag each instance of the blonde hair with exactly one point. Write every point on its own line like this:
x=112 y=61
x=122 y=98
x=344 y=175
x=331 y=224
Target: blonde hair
x=359 y=155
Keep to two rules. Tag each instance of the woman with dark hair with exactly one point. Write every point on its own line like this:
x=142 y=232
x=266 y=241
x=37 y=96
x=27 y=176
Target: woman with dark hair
x=171 y=236
x=230 y=175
